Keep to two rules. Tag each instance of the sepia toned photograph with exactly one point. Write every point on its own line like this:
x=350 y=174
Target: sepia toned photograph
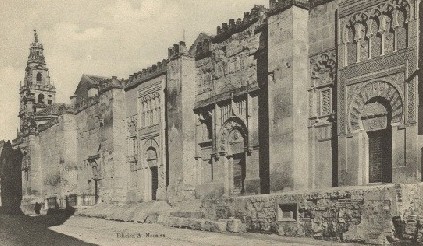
x=211 y=122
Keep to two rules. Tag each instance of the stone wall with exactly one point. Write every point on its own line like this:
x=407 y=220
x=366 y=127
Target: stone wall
x=378 y=62
x=51 y=159
x=323 y=64
x=229 y=72
x=10 y=178
x=95 y=137
x=372 y=214
x=145 y=104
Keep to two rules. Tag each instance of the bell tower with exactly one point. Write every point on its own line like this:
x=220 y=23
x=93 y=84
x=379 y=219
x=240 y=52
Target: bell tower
x=37 y=92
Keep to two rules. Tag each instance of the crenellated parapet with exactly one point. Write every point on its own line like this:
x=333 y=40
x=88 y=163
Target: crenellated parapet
x=234 y=26
x=146 y=74
x=177 y=50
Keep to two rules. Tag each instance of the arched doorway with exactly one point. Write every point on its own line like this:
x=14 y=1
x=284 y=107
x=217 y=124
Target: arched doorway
x=373 y=112
x=154 y=172
x=376 y=118
x=233 y=143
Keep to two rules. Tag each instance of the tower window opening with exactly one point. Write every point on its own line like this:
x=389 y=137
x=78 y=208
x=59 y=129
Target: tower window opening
x=41 y=98
x=39 y=77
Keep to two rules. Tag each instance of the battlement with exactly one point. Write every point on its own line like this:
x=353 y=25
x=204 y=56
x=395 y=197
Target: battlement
x=147 y=74
x=227 y=29
x=277 y=6
x=177 y=50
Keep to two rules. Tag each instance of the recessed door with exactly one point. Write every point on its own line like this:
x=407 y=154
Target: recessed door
x=154 y=182
x=380 y=156
x=238 y=173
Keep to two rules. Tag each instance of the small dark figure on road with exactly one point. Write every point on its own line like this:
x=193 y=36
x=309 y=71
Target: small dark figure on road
x=37 y=208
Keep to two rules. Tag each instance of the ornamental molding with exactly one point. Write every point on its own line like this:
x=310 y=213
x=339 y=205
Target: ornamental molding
x=369 y=91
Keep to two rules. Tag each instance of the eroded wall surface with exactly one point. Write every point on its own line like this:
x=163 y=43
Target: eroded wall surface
x=374 y=214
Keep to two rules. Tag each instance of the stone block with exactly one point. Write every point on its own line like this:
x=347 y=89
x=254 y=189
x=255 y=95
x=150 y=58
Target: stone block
x=151 y=218
x=236 y=226
x=196 y=224
x=195 y=214
x=214 y=226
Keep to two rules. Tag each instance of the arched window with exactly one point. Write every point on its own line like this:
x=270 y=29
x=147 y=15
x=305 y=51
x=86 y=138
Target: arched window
x=151 y=157
x=39 y=77
x=41 y=98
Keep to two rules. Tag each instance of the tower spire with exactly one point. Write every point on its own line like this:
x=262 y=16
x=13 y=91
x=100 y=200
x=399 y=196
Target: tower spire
x=35 y=36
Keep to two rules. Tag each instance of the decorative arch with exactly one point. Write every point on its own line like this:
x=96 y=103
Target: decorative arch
x=232 y=124
x=152 y=156
x=372 y=90
x=150 y=144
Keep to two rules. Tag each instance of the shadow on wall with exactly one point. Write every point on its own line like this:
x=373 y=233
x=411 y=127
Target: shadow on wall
x=10 y=178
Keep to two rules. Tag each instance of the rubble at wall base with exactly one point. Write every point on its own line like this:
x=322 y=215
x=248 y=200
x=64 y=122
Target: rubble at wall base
x=368 y=214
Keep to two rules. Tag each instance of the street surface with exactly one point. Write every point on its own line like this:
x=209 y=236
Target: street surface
x=54 y=230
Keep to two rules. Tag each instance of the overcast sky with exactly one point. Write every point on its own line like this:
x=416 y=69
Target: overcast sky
x=107 y=37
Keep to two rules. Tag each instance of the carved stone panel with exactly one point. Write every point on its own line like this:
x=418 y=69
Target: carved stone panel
x=378 y=30
x=323 y=68
x=369 y=91
x=226 y=137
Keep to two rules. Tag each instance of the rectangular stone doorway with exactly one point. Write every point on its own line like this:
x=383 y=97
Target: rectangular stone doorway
x=154 y=182
x=380 y=156
x=238 y=173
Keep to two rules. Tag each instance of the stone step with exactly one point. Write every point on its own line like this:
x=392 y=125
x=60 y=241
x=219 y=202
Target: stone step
x=188 y=214
x=223 y=225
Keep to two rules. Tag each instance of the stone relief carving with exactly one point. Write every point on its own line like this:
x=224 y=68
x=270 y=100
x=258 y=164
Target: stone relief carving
x=132 y=125
x=231 y=125
x=326 y=102
x=323 y=68
x=323 y=76
x=149 y=96
x=372 y=90
x=378 y=30
x=411 y=111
